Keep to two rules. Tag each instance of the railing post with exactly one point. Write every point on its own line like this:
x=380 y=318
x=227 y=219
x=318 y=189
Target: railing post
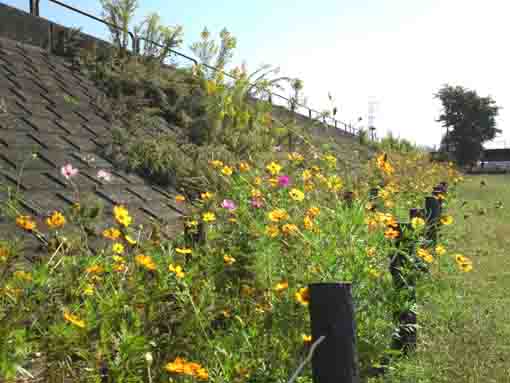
x=34 y=7
x=309 y=113
x=332 y=316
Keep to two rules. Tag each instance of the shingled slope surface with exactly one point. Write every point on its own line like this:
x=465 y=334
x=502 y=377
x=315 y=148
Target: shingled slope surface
x=48 y=109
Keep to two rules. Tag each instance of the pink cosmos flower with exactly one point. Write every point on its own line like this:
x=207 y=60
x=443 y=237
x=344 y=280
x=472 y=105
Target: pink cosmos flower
x=228 y=204
x=283 y=181
x=68 y=171
x=104 y=175
x=257 y=203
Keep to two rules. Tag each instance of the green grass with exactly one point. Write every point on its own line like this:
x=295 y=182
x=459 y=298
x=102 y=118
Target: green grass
x=466 y=328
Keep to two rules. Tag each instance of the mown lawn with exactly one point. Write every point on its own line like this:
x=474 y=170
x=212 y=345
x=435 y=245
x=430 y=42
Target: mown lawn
x=466 y=328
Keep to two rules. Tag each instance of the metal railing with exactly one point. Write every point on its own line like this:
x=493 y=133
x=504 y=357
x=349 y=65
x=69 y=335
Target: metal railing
x=135 y=43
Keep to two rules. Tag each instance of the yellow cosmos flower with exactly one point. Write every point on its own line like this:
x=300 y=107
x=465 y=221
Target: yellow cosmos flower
x=227 y=170
x=118 y=258
x=216 y=163
x=417 y=223
x=191 y=223
x=71 y=318
x=183 y=250
x=307 y=339
x=177 y=270
x=257 y=181
x=466 y=267
x=281 y=286
x=244 y=167
x=26 y=222
x=307 y=175
x=208 y=217
x=206 y=196
x=180 y=198
x=56 y=220
x=446 y=220
x=289 y=229
x=425 y=255
x=130 y=240
x=111 y=233
x=273 y=182
x=294 y=156
x=278 y=215
x=303 y=296
x=229 y=260
x=335 y=183
x=272 y=231
x=145 y=261
x=313 y=211
x=331 y=160
x=118 y=248
x=297 y=195
x=440 y=250
x=274 y=168
x=122 y=215
x=307 y=222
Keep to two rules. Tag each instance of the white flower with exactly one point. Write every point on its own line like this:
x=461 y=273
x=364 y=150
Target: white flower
x=104 y=175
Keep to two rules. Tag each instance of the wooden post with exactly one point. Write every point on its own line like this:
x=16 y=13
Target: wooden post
x=332 y=316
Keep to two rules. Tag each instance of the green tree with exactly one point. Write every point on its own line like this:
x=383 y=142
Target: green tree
x=119 y=13
x=470 y=121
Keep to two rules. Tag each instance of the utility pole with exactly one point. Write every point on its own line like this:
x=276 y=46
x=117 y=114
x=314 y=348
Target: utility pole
x=372 y=104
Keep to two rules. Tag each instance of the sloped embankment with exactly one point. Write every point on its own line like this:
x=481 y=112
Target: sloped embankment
x=52 y=116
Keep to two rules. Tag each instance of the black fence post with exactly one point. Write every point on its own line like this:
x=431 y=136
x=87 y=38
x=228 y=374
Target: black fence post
x=404 y=280
x=348 y=198
x=373 y=194
x=416 y=213
x=332 y=316
x=432 y=215
x=195 y=235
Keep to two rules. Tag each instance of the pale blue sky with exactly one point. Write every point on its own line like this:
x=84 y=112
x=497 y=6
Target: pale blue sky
x=397 y=52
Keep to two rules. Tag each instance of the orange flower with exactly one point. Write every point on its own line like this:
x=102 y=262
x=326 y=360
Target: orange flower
x=145 y=261
x=56 y=220
x=391 y=233
x=26 y=222
x=290 y=229
x=111 y=233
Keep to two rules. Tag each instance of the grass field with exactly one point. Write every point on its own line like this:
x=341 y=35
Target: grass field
x=466 y=328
